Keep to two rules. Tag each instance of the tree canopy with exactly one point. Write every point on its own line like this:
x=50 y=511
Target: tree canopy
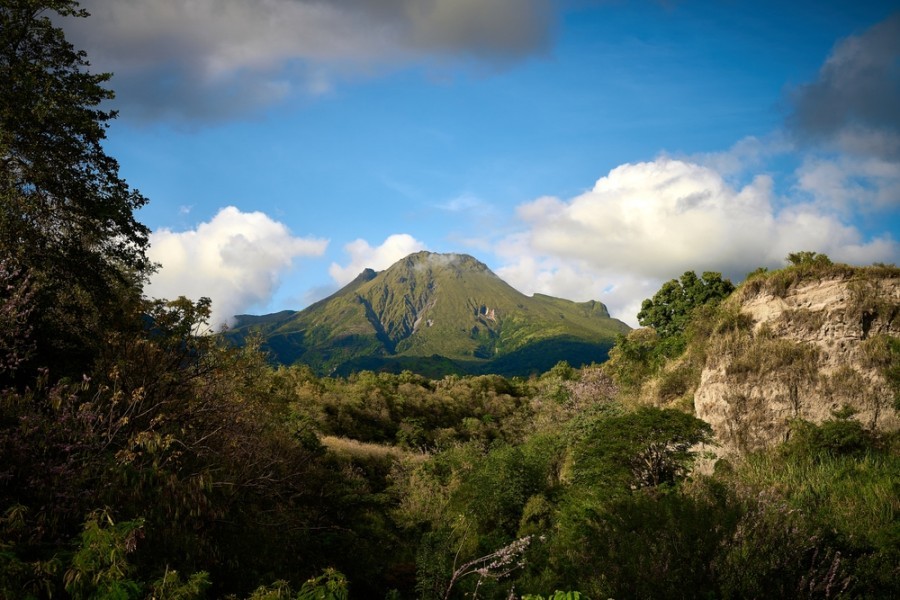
x=66 y=216
x=808 y=258
x=669 y=311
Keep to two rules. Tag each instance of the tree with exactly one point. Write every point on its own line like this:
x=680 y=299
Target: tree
x=669 y=311
x=805 y=258
x=66 y=216
x=16 y=306
x=645 y=448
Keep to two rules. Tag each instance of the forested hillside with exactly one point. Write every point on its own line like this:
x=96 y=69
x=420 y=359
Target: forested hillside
x=143 y=459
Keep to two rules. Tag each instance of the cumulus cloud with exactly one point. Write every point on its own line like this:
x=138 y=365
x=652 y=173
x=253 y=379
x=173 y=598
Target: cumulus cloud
x=855 y=100
x=363 y=256
x=236 y=259
x=530 y=273
x=648 y=222
x=214 y=58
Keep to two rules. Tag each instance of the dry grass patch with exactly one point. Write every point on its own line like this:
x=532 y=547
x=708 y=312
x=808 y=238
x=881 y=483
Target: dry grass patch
x=355 y=449
x=803 y=319
x=768 y=357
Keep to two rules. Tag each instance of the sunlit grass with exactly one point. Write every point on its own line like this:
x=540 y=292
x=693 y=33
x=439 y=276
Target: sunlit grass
x=364 y=450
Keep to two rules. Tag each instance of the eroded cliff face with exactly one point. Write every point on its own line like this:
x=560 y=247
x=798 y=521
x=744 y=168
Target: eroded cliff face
x=800 y=349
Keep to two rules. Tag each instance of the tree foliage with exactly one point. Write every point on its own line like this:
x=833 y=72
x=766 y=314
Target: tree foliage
x=805 y=258
x=16 y=307
x=645 y=448
x=669 y=319
x=66 y=216
x=669 y=311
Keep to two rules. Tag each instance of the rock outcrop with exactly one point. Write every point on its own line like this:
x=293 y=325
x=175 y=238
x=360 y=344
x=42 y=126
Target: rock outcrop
x=795 y=345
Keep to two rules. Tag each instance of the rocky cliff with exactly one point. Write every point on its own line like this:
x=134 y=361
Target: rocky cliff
x=801 y=343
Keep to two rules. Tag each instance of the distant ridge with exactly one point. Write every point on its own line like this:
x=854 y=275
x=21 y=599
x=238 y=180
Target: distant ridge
x=435 y=314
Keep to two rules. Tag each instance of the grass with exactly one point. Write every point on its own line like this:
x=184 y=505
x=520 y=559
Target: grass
x=803 y=319
x=356 y=450
x=779 y=282
x=882 y=352
x=856 y=496
x=678 y=383
x=766 y=357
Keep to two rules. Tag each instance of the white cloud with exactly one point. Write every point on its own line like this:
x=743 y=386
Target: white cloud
x=363 y=256
x=236 y=259
x=215 y=58
x=849 y=183
x=645 y=223
x=622 y=293
x=465 y=203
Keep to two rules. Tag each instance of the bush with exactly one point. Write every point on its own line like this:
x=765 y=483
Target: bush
x=834 y=437
x=669 y=311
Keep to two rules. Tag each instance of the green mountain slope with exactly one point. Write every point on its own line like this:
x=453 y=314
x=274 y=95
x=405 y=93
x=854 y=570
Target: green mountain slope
x=435 y=314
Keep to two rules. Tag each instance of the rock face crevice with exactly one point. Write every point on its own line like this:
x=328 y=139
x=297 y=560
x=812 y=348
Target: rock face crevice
x=800 y=353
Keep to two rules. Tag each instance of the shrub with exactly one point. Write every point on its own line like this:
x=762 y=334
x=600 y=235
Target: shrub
x=834 y=437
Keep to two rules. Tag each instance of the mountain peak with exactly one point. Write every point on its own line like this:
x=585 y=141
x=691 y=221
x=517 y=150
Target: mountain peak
x=434 y=261
x=367 y=274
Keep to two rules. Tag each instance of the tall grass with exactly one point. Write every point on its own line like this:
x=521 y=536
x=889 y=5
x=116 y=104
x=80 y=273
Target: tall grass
x=363 y=450
x=856 y=496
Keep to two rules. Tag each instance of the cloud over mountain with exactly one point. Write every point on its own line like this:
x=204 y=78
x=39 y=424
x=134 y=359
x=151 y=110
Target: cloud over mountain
x=209 y=59
x=644 y=223
x=363 y=256
x=236 y=259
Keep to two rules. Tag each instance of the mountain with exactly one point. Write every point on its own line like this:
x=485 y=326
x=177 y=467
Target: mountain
x=435 y=314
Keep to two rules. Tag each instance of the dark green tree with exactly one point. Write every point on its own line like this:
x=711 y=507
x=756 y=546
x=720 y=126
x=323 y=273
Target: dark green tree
x=645 y=448
x=66 y=216
x=669 y=311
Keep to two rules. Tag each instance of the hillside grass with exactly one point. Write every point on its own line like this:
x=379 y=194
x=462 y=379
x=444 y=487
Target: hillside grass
x=854 y=494
x=778 y=282
x=357 y=450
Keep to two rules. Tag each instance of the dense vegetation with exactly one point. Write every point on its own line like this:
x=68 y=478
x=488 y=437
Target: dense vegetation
x=412 y=487
x=142 y=459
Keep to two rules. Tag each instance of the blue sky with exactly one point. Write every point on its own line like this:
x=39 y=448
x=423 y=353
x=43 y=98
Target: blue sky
x=589 y=150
